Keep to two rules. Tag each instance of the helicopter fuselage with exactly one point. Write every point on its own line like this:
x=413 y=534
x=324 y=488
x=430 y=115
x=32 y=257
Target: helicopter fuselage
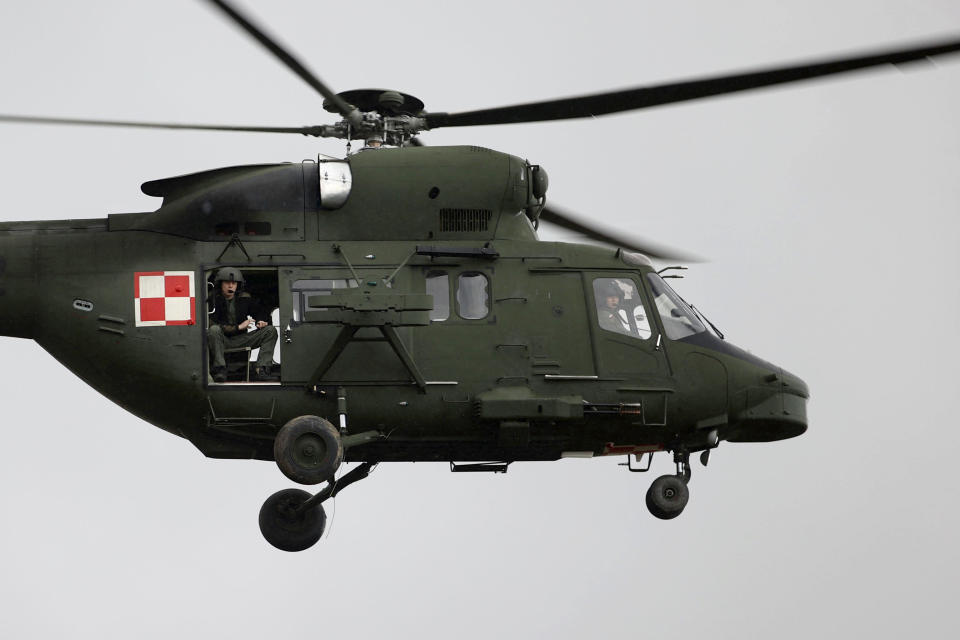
x=411 y=299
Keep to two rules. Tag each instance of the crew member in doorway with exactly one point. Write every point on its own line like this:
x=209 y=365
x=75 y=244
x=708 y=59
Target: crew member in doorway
x=235 y=312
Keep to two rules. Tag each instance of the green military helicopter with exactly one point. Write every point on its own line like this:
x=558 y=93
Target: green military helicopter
x=416 y=315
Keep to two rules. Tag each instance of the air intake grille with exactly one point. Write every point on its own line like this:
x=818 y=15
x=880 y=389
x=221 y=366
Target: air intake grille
x=464 y=219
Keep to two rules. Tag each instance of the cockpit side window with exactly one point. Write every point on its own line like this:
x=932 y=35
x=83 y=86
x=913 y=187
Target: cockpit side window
x=619 y=307
x=679 y=320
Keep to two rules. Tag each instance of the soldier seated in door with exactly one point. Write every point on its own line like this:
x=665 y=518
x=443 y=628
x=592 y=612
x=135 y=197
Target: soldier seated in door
x=235 y=312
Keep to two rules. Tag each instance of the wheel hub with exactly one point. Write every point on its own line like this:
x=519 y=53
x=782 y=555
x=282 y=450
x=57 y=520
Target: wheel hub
x=310 y=450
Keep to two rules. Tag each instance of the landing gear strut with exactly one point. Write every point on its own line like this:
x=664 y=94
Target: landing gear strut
x=668 y=495
x=308 y=450
x=682 y=460
x=293 y=520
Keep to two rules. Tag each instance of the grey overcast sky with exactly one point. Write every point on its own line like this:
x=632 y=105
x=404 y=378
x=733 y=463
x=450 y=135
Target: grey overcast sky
x=829 y=213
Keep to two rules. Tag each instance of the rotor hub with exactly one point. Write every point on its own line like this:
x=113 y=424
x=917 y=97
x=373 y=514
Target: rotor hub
x=386 y=102
x=390 y=116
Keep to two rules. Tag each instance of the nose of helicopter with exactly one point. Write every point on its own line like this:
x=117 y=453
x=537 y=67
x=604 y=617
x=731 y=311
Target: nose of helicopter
x=775 y=409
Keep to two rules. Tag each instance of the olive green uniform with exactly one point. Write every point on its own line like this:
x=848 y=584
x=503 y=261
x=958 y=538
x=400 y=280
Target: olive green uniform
x=225 y=334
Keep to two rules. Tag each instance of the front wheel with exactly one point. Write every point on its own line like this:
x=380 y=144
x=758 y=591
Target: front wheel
x=667 y=496
x=308 y=450
x=286 y=526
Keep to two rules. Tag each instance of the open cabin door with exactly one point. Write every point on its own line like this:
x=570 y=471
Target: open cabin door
x=349 y=327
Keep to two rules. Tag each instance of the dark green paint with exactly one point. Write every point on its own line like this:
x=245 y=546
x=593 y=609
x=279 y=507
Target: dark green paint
x=529 y=377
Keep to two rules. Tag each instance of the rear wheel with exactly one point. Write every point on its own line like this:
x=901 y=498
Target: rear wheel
x=287 y=527
x=308 y=450
x=667 y=496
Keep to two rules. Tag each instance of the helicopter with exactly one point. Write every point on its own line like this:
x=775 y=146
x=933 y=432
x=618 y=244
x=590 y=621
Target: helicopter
x=419 y=318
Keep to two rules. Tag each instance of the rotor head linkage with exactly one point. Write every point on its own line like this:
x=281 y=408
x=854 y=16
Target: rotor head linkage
x=391 y=116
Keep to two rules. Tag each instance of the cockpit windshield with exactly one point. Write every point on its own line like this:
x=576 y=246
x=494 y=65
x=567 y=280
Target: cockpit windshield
x=679 y=320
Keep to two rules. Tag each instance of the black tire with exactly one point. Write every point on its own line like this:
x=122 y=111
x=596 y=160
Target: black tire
x=308 y=450
x=667 y=496
x=286 y=529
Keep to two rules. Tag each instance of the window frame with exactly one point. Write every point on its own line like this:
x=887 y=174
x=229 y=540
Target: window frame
x=643 y=302
x=667 y=326
x=488 y=290
x=426 y=278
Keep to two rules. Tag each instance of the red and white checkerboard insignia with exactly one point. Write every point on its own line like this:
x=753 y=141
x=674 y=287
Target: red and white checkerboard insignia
x=164 y=298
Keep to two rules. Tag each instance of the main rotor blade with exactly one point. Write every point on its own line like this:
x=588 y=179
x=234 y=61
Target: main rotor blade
x=644 y=97
x=307 y=131
x=287 y=58
x=652 y=249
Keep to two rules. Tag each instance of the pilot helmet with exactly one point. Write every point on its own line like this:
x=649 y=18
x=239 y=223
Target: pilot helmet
x=229 y=274
x=610 y=289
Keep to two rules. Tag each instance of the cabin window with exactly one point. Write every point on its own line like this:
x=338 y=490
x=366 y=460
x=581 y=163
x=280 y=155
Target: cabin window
x=472 y=296
x=438 y=286
x=302 y=289
x=226 y=229
x=256 y=228
x=619 y=307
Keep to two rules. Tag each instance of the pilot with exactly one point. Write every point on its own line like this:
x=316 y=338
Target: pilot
x=373 y=141
x=609 y=314
x=235 y=311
